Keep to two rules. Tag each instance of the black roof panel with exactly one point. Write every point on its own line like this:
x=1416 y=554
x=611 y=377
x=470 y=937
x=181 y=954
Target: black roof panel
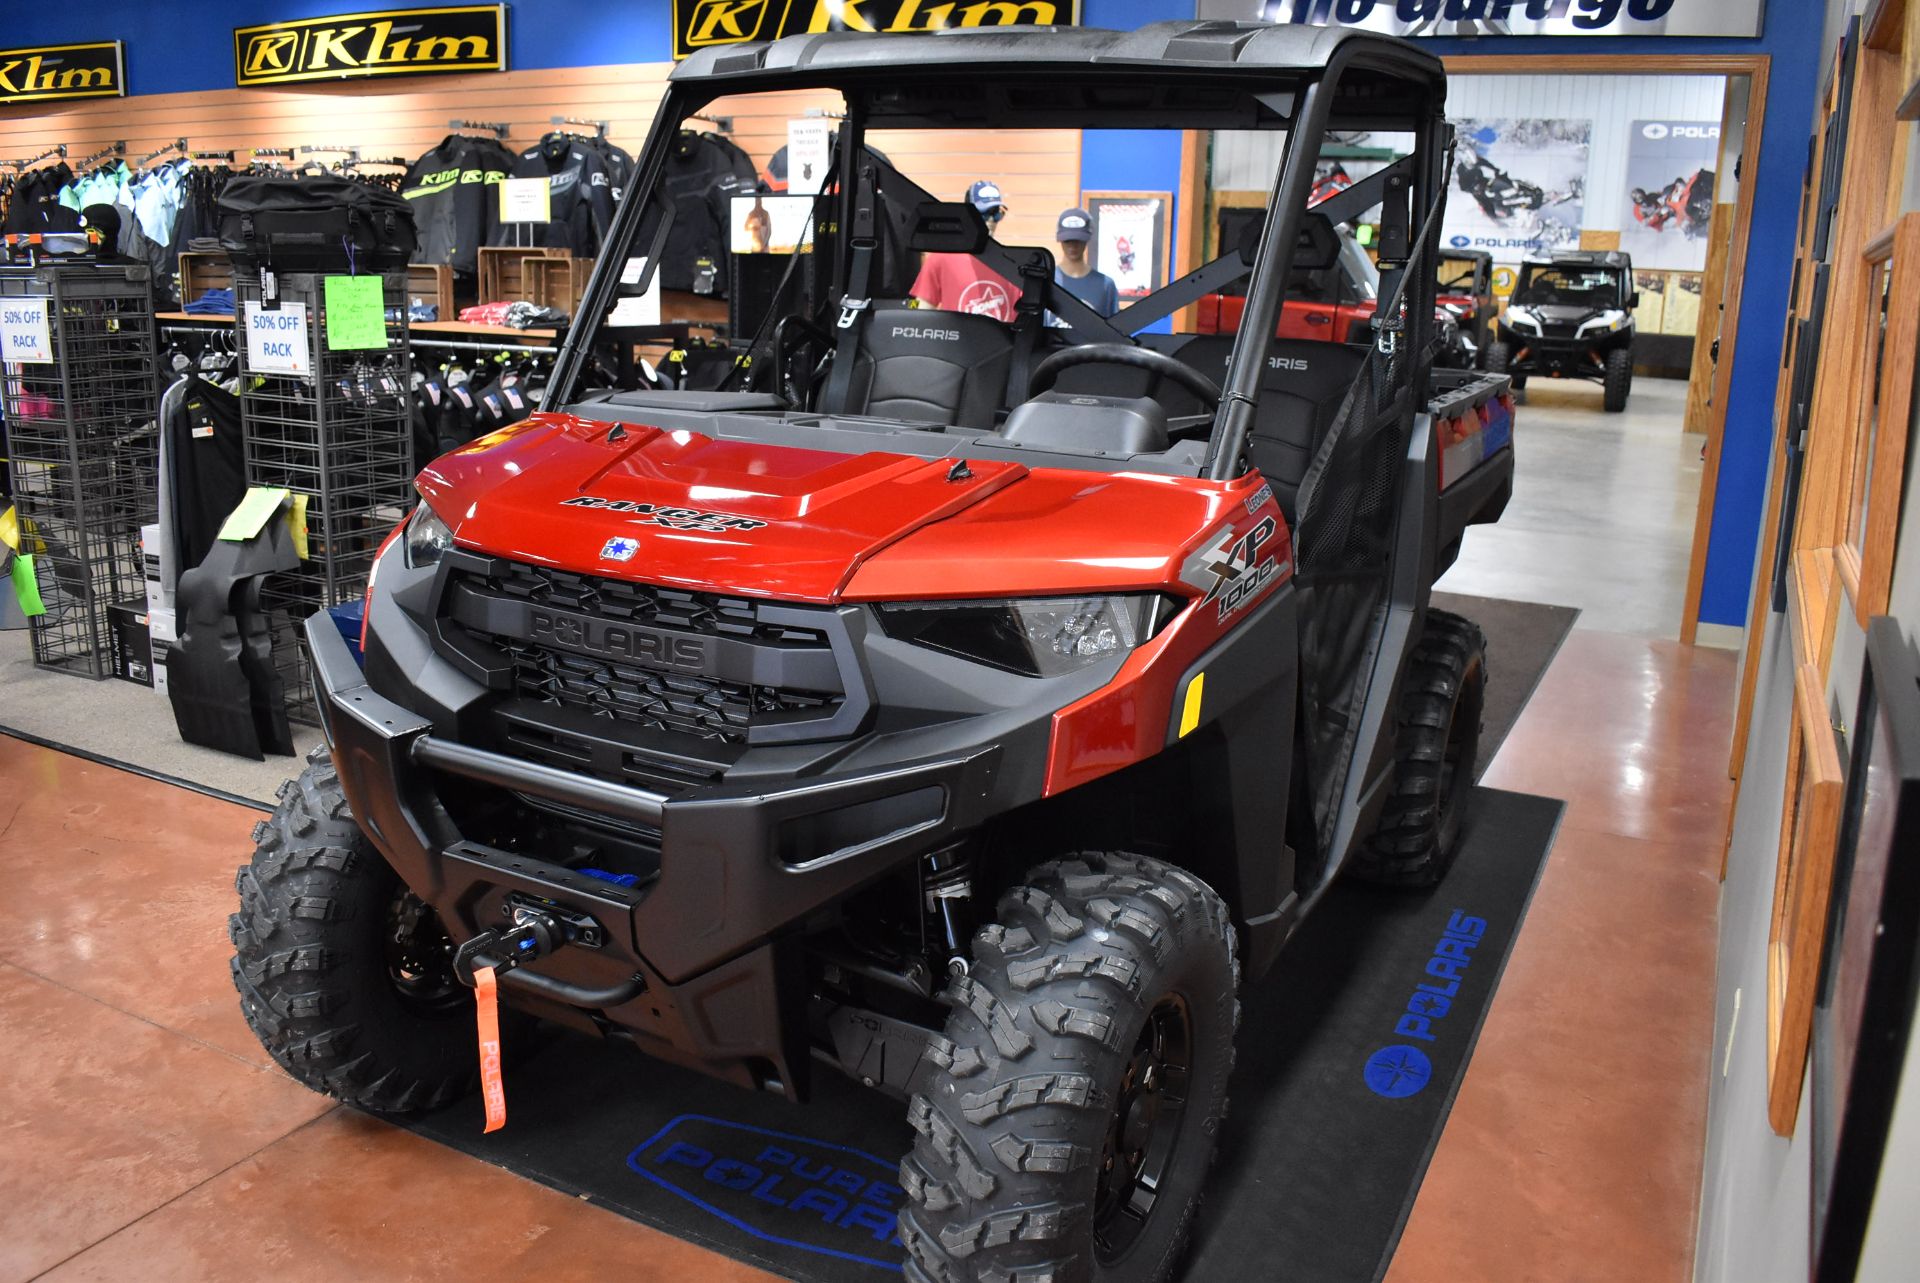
x=1224 y=49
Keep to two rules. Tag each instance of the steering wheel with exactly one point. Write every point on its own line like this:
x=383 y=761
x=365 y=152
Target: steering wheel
x=1158 y=364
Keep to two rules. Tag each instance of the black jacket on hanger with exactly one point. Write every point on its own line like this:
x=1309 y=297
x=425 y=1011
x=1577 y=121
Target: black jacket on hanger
x=455 y=206
x=704 y=172
x=581 y=191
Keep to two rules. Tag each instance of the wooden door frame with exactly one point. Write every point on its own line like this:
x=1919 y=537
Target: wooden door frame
x=1755 y=67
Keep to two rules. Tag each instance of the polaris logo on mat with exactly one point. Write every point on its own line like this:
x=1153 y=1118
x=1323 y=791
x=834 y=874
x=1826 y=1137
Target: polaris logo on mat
x=1403 y=1069
x=780 y=1188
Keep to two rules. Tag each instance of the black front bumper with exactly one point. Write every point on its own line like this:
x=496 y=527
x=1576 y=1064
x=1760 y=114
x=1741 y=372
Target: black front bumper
x=699 y=964
x=1557 y=356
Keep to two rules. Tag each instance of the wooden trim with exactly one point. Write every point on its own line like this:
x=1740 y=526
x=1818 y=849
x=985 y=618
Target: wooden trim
x=1604 y=64
x=1872 y=586
x=1192 y=202
x=1715 y=423
x=1886 y=25
x=1810 y=832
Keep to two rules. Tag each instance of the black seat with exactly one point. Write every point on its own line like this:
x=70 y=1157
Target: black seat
x=945 y=369
x=1300 y=393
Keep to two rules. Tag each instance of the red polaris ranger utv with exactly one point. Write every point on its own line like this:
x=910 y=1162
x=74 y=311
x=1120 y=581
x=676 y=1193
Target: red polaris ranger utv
x=969 y=702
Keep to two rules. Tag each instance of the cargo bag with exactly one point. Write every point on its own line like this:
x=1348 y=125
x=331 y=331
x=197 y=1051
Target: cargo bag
x=323 y=223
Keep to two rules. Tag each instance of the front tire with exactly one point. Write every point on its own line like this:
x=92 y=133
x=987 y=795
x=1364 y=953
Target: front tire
x=1442 y=700
x=1066 y=1120
x=1619 y=380
x=1497 y=357
x=343 y=974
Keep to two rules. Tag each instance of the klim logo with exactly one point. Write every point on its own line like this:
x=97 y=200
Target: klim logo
x=700 y=23
x=62 y=71
x=392 y=43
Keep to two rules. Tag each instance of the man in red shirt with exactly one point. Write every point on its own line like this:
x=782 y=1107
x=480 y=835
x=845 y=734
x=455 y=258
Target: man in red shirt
x=961 y=282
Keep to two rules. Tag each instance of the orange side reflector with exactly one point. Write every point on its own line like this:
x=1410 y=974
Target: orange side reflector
x=487 y=1008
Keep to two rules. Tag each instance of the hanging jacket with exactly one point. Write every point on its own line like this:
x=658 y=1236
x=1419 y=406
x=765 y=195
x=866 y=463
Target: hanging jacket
x=455 y=206
x=704 y=172
x=580 y=196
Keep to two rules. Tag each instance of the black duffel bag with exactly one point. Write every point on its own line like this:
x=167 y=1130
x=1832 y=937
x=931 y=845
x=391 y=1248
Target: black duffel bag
x=323 y=223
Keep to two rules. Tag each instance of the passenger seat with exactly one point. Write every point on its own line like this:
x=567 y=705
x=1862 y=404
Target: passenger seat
x=942 y=369
x=1300 y=393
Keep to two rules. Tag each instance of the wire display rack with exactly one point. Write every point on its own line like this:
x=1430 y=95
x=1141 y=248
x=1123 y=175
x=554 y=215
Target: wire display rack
x=83 y=451
x=341 y=437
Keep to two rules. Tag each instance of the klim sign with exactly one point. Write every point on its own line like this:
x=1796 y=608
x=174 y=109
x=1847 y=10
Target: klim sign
x=1507 y=17
x=63 y=71
x=394 y=42
x=700 y=23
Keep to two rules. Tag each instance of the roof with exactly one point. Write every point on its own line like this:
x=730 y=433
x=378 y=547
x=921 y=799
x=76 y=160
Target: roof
x=1593 y=258
x=1221 y=49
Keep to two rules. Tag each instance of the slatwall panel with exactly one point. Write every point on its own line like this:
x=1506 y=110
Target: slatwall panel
x=1249 y=160
x=1039 y=170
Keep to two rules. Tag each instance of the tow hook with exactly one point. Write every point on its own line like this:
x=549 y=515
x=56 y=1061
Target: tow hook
x=533 y=936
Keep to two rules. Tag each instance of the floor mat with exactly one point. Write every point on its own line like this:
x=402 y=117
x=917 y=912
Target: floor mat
x=1522 y=639
x=1350 y=1053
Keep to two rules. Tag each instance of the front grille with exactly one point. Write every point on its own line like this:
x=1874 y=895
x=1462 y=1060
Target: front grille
x=653 y=704
x=679 y=703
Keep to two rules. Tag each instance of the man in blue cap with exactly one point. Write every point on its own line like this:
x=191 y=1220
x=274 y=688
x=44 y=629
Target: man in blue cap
x=1074 y=273
x=961 y=282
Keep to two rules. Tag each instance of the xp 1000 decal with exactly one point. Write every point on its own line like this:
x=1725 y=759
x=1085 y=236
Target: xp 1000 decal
x=1238 y=566
x=781 y=1188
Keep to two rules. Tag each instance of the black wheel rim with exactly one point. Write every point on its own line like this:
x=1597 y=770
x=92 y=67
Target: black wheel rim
x=1144 y=1129
x=420 y=956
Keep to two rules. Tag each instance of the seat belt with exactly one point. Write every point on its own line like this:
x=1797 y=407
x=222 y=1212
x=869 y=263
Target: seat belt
x=1036 y=278
x=846 y=347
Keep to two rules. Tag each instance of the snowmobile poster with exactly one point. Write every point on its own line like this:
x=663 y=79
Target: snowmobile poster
x=1668 y=203
x=1519 y=186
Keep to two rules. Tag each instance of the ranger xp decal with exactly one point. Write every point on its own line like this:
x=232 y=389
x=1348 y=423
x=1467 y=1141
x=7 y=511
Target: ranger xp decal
x=672 y=518
x=1233 y=570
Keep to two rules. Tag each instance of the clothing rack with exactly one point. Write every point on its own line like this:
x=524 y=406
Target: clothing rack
x=600 y=127
x=419 y=339
x=283 y=153
x=723 y=124
x=111 y=149
x=212 y=155
x=493 y=127
x=178 y=144
x=59 y=149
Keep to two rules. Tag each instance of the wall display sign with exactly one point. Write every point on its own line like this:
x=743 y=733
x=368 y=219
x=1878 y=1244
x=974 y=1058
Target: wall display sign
x=1507 y=17
x=1667 y=205
x=526 y=200
x=635 y=306
x=1519 y=186
x=809 y=144
x=97 y=70
x=1130 y=238
x=392 y=42
x=277 y=340
x=26 y=338
x=700 y=23
x=769 y=224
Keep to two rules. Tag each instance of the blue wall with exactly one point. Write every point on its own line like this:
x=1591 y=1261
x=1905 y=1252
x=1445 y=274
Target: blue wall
x=171 y=48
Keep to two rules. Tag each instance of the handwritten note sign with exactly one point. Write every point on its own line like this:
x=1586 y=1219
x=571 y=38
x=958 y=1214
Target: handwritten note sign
x=25 y=336
x=526 y=200
x=277 y=340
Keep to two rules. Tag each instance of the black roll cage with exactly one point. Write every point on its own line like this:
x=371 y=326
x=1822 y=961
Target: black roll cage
x=1417 y=181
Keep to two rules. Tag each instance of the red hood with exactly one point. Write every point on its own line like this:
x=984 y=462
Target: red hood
x=812 y=525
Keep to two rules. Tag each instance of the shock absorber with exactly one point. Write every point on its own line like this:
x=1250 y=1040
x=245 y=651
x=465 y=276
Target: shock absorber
x=946 y=881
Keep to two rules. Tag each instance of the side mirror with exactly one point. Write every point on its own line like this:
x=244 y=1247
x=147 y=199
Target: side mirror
x=1633 y=300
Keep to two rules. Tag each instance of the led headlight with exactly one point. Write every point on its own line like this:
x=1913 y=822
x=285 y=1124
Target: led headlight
x=427 y=537
x=1521 y=319
x=1034 y=636
x=1605 y=323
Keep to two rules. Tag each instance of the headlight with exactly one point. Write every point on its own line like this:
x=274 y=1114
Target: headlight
x=1521 y=319
x=427 y=537
x=1604 y=323
x=1036 y=636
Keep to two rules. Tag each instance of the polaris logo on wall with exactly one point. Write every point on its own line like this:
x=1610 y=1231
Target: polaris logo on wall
x=63 y=71
x=394 y=42
x=1507 y=17
x=780 y=1188
x=700 y=23
x=1404 y=1069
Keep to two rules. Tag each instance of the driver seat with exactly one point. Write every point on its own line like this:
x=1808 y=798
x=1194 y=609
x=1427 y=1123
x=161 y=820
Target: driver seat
x=938 y=369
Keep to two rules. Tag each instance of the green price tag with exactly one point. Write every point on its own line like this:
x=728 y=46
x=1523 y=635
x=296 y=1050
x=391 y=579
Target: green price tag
x=245 y=521
x=356 y=315
x=26 y=586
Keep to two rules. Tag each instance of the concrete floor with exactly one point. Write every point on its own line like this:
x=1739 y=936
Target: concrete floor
x=1602 y=511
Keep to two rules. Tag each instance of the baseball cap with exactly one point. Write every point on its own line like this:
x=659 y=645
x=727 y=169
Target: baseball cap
x=985 y=197
x=1074 y=225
